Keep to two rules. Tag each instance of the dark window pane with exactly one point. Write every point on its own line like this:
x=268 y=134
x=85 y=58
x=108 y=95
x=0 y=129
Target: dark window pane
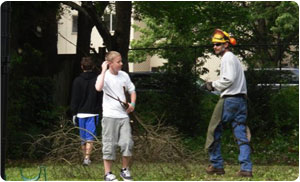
x=74 y=23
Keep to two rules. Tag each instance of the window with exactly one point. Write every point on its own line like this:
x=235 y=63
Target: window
x=273 y=77
x=74 y=24
x=110 y=21
x=155 y=69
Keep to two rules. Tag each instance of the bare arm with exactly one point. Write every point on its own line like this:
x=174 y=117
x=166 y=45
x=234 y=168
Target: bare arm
x=133 y=97
x=100 y=80
x=132 y=103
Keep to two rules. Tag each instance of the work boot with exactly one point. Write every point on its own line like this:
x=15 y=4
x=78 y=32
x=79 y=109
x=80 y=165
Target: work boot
x=242 y=173
x=211 y=170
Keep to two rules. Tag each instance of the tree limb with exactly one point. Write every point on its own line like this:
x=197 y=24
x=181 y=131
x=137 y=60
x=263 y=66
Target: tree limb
x=95 y=16
x=76 y=7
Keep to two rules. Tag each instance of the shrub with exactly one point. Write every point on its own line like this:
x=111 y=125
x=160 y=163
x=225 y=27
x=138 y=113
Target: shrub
x=31 y=109
x=285 y=110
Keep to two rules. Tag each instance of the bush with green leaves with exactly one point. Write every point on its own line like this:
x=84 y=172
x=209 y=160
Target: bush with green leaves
x=180 y=102
x=284 y=107
x=31 y=109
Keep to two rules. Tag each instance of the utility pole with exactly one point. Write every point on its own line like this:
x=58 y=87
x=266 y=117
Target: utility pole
x=5 y=52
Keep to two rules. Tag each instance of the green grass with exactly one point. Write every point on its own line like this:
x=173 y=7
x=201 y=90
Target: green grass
x=154 y=172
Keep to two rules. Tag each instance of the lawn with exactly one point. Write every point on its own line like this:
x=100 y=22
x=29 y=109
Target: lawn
x=154 y=172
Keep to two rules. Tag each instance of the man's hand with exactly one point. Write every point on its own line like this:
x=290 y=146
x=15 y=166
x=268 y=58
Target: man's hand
x=208 y=86
x=74 y=120
x=131 y=107
x=105 y=66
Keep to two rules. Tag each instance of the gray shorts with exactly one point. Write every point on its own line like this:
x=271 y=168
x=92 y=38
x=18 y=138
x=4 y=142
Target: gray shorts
x=116 y=132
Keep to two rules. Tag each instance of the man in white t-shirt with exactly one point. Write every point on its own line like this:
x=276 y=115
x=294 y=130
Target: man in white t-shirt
x=232 y=106
x=116 y=129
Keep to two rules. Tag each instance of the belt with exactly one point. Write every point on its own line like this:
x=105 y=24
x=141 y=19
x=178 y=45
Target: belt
x=235 y=95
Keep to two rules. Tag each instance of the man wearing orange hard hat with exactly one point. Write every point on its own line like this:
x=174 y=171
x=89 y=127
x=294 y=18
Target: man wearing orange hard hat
x=231 y=108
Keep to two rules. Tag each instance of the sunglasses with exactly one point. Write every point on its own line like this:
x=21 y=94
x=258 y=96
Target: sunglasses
x=217 y=44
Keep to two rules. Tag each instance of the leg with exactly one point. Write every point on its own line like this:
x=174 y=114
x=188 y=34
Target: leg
x=245 y=150
x=125 y=161
x=109 y=138
x=90 y=134
x=88 y=149
x=125 y=173
x=83 y=134
x=109 y=176
x=215 y=152
x=83 y=148
x=229 y=108
x=125 y=142
x=239 y=129
x=107 y=166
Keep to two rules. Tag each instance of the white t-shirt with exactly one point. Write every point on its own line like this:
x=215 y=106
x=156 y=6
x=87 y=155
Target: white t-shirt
x=85 y=115
x=232 y=79
x=113 y=85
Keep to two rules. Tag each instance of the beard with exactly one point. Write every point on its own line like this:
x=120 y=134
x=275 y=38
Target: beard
x=221 y=51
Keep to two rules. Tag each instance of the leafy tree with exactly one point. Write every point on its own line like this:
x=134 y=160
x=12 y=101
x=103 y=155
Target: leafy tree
x=259 y=27
x=268 y=26
x=31 y=109
x=35 y=24
x=181 y=31
x=181 y=26
x=84 y=27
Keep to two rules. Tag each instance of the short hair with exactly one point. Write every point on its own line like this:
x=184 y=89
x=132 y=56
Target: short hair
x=111 y=55
x=87 y=63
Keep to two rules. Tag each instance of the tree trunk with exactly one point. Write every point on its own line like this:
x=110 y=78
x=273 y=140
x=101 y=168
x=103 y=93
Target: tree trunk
x=120 y=41
x=49 y=45
x=35 y=26
x=122 y=32
x=84 y=28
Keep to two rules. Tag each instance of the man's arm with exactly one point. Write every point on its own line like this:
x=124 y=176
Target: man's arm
x=132 y=103
x=75 y=97
x=75 y=100
x=100 y=79
x=227 y=76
